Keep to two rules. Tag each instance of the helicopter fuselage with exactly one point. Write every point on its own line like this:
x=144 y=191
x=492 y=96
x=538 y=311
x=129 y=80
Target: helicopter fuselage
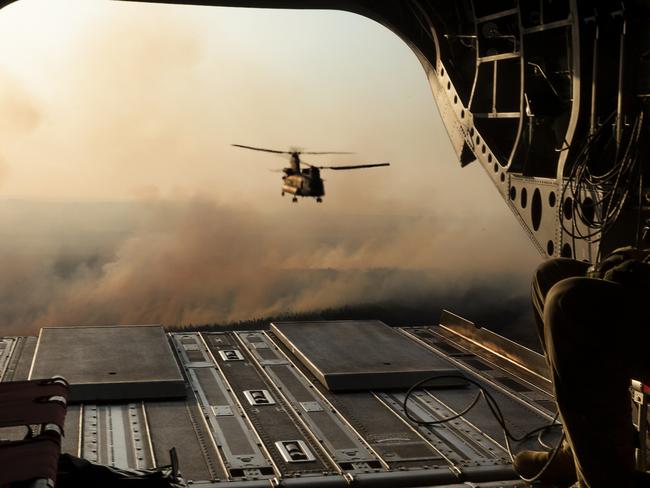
x=304 y=183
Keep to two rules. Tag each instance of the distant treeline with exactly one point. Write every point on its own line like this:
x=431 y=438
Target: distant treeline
x=511 y=318
x=393 y=315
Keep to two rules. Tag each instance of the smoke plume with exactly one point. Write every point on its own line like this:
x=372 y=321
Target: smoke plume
x=135 y=209
x=203 y=262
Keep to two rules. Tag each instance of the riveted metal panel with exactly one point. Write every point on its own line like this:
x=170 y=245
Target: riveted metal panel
x=344 y=446
x=273 y=422
x=359 y=354
x=230 y=430
x=108 y=364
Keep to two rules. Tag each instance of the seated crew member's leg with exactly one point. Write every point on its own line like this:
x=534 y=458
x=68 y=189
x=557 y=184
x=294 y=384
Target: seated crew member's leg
x=530 y=463
x=548 y=274
x=595 y=333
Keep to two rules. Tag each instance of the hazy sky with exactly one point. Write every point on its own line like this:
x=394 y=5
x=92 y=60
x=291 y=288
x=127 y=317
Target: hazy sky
x=135 y=106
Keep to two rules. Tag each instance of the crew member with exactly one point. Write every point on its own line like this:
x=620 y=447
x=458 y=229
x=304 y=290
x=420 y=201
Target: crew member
x=594 y=325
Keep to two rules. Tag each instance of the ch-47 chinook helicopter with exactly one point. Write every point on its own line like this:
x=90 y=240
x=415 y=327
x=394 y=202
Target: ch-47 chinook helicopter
x=306 y=182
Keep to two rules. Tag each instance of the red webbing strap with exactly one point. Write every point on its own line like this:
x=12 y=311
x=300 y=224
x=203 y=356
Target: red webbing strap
x=27 y=402
x=31 y=389
x=29 y=459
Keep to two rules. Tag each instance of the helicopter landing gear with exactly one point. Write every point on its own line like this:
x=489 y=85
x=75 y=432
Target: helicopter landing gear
x=295 y=200
x=319 y=200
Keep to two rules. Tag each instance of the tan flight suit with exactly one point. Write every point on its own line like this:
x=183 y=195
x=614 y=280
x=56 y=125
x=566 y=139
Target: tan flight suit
x=596 y=336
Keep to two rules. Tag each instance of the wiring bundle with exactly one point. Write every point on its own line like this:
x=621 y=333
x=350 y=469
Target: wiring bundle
x=498 y=416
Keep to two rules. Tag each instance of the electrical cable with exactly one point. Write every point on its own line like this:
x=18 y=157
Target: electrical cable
x=610 y=190
x=496 y=412
x=639 y=217
x=542 y=432
x=597 y=200
x=549 y=461
x=541 y=442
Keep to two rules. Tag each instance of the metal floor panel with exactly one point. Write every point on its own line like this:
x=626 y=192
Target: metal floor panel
x=116 y=435
x=412 y=447
x=399 y=445
x=7 y=346
x=240 y=450
x=522 y=404
x=16 y=355
x=426 y=479
x=343 y=445
x=350 y=355
x=458 y=441
x=72 y=431
x=504 y=382
x=108 y=364
x=272 y=422
x=476 y=438
x=22 y=354
x=519 y=417
x=179 y=424
x=252 y=407
x=468 y=351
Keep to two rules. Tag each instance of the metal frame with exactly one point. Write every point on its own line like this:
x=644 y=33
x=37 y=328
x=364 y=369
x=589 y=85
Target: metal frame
x=282 y=446
x=268 y=399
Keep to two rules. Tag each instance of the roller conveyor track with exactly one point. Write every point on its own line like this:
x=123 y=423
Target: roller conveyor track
x=342 y=445
x=229 y=429
x=271 y=421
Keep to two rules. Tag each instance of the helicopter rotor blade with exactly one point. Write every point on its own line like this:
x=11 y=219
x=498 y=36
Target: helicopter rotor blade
x=327 y=152
x=292 y=151
x=354 y=166
x=261 y=149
